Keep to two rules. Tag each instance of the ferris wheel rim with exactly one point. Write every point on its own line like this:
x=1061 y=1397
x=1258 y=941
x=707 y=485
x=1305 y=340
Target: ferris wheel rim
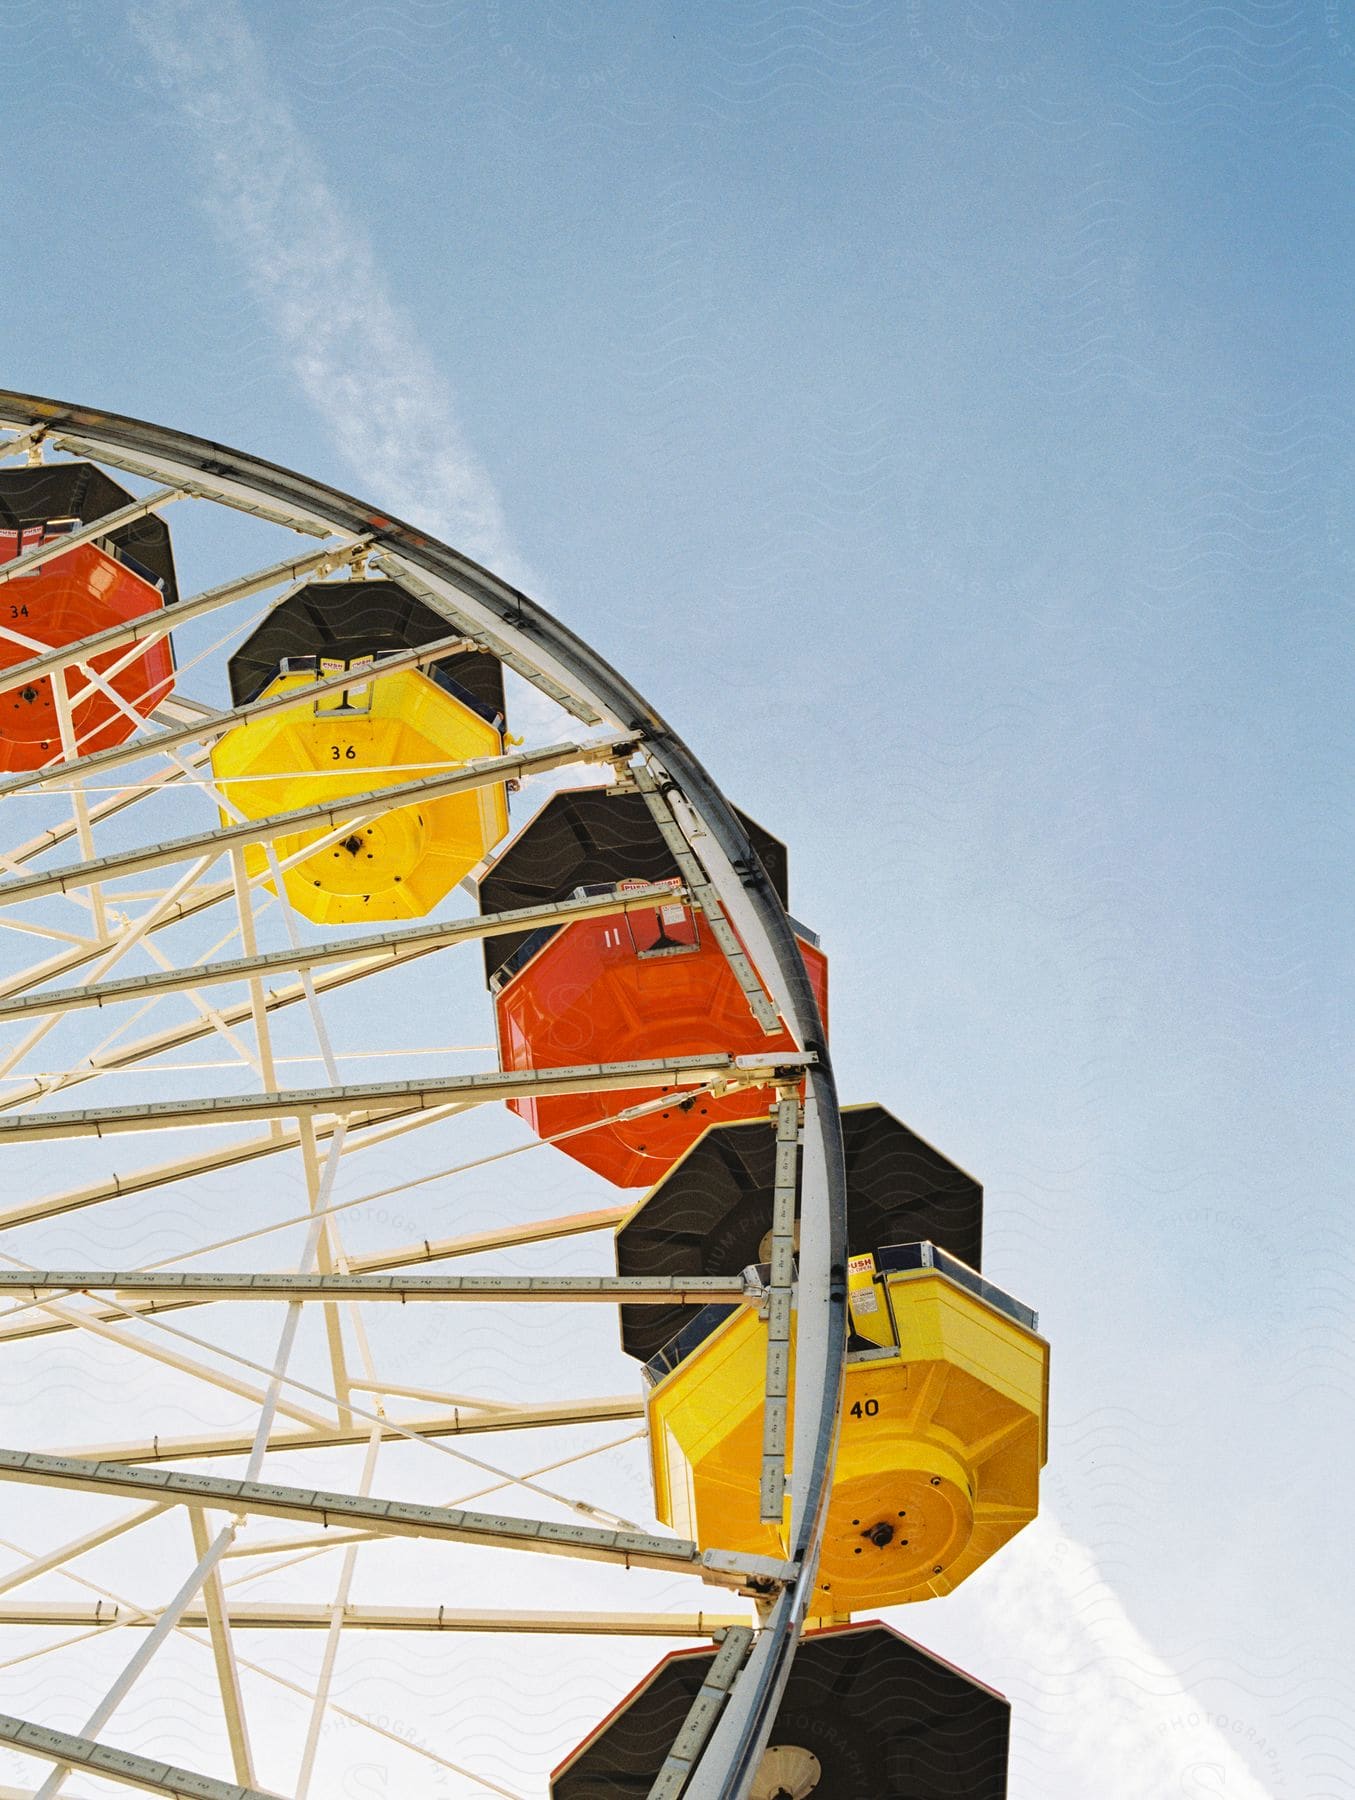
x=565 y=666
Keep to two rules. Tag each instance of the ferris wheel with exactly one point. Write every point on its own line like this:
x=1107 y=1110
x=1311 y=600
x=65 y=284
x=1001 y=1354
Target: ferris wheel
x=268 y=758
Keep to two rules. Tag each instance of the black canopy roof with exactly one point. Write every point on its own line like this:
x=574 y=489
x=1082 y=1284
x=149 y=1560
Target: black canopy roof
x=81 y=490
x=348 y=619
x=584 y=836
x=710 y=1213
x=883 y=1718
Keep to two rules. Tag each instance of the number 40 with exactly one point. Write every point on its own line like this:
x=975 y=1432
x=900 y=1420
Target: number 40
x=866 y=1408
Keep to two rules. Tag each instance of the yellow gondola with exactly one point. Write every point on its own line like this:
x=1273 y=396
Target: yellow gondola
x=943 y=1431
x=385 y=730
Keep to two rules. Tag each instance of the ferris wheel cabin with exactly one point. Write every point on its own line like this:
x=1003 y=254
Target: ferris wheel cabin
x=943 y=1422
x=865 y=1712
x=95 y=585
x=637 y=986
x=382 y=731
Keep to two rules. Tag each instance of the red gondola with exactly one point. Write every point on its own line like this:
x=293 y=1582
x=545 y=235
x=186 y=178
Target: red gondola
x=636 y=986
x=94 y=586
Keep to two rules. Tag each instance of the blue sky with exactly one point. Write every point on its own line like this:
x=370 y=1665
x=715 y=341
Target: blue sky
x=942 y=413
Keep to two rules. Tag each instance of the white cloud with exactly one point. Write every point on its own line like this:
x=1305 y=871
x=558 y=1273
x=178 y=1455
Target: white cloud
x=1096 y=1710
x=312 y=270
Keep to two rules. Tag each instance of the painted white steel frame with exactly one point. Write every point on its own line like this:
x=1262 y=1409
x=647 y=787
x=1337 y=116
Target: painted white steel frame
x=718 y=1755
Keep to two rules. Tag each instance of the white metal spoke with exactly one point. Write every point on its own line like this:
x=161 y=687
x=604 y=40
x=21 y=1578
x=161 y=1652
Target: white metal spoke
x=238 y=1154
x=64 y=1553
x=274 y=1615
x=110 y=808
x=271 y=1400
x=130 y=1615
x=458 y=1421
x=79 y=801
x=219 y=1630
x=142 y=1050
x=173 y=1359
x=127 y=939
x=134 y=1615
x=126 y=1680
x=337 y=1611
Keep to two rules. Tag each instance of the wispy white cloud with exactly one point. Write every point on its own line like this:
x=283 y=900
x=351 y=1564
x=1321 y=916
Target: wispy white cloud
x=1096 y=1709
x=311 y=267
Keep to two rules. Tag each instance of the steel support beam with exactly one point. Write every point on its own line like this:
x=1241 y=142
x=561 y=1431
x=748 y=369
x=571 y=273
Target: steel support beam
x=379 y=945
x=209 y=1286
x=779 y=1296
x=504 y=1237
x=481 y=772
x=707 y=899
x=393 y=1518
x=32 y=560
x=385 y=1098
x=156 y=624
x=112 y=1764
x=204 y=722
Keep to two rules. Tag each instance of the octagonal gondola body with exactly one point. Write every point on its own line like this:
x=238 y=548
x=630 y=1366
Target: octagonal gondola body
x=866 y=1715
x=394 y=865
x=943 y=1433
x=639 y=986
x=90 y=588
x=385 y=730
x=943 y=1415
